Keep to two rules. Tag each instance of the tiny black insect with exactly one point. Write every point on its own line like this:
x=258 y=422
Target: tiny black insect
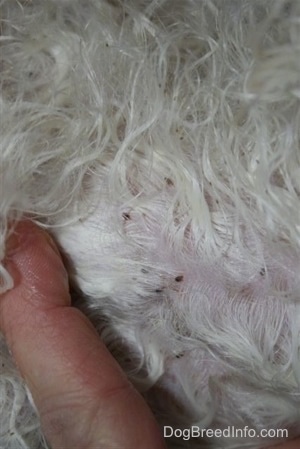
x=179 y=278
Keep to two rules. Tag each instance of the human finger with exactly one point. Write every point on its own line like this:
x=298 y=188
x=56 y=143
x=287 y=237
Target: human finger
x=83 y=397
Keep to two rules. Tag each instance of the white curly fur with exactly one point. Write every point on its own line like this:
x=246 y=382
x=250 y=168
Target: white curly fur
x=158 y=140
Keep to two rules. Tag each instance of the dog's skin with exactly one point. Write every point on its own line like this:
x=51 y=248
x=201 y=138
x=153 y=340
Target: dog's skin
x=159 y=143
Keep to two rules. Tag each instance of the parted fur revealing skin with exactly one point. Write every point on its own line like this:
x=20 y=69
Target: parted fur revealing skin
x=159 y=142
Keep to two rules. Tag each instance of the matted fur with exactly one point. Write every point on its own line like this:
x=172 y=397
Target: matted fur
x=159 y=142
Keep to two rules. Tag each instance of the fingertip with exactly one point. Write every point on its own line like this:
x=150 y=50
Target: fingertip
x=39 y=278
x=34 y=261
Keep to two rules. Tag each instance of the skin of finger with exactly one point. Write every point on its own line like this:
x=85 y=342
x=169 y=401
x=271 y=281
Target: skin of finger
x=83 y=398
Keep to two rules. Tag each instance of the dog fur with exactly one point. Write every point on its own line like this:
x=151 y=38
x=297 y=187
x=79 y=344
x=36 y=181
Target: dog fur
x=158 y=141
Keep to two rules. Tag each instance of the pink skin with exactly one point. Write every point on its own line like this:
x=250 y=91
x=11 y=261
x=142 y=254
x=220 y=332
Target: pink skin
x=83 y=397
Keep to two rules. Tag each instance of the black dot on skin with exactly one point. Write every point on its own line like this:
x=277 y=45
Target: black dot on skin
x=179 y=278
x=169 y=181
x=126 y=216
x=158 y=290
x=262 y=272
